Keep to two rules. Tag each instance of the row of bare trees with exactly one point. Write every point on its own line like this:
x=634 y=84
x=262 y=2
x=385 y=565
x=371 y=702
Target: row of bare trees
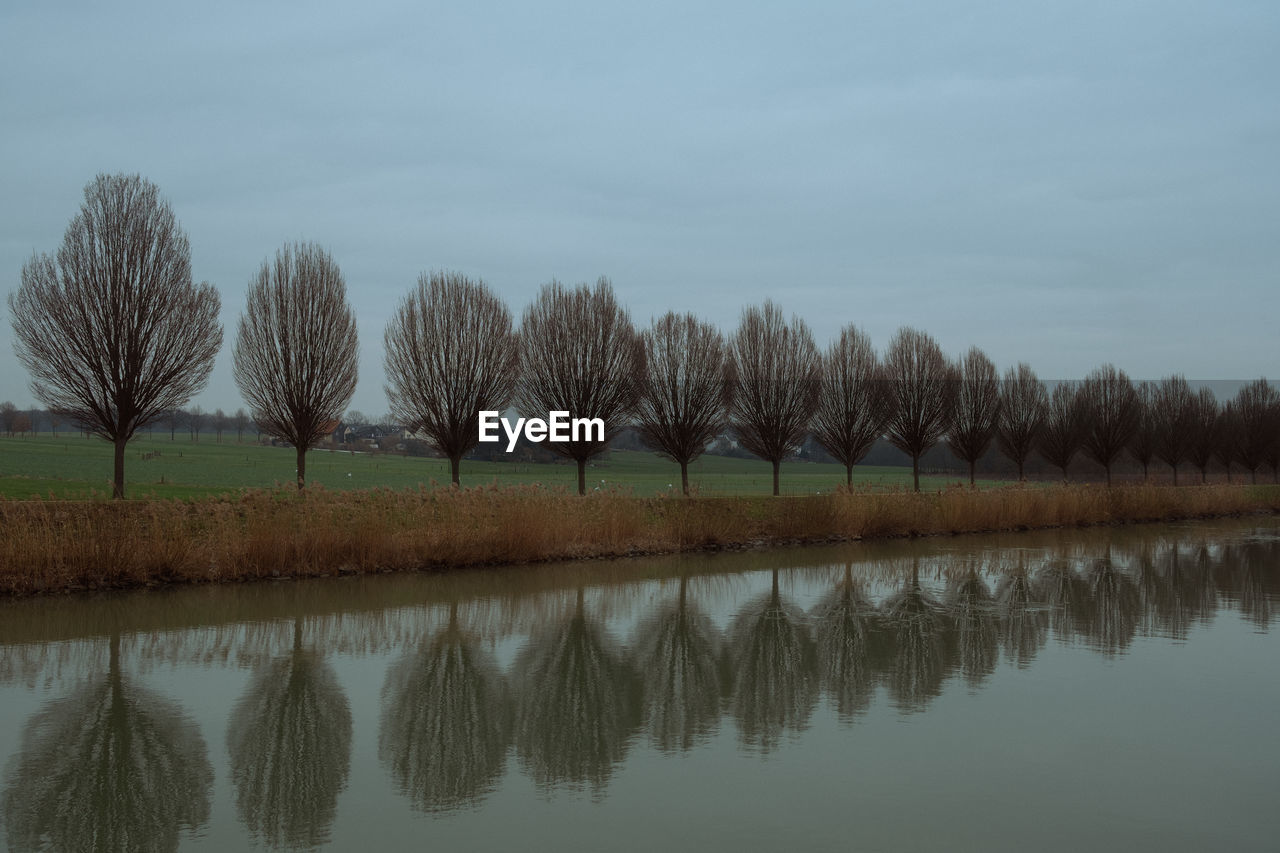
x=116 y=337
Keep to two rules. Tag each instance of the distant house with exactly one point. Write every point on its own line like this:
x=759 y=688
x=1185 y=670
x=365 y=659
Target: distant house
x=363 y=434
x=334 y=429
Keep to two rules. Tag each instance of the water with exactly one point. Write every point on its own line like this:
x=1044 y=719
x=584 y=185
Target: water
x=1106 y=689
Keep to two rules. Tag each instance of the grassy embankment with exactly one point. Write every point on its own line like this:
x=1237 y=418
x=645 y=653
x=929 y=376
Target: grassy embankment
x=53 y=545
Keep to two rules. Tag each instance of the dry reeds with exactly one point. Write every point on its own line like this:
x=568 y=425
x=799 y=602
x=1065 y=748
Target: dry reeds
x=51 y=545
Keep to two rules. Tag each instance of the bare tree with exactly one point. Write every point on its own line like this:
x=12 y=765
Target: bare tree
x=853 y=405
x=8 y=417
x=1112 y=409
x=581 y=355
x=1064 y=427
x=774 y=367
x=976 y=411
x=220 y=424
x=921 y=386
x=1228 y=431
x=1172 y=410
x=450 y=353
x=1146 y=429
x=295 y=357
x=196 y=419
x=683 y=392
x=112 y=329
x=1255 y=404
x=1203 y=425
x=241 y=421
x=1024 y=404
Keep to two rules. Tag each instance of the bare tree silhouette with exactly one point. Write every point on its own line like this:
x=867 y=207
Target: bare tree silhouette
x=112 y=330
x=921 y=386
x=450 y=353
x=1024 y=405
x=1146 y=429
x=1172 y=410
x=976 y=412
x=1203 y=434
x=1256 y=404
x=853 y=405
x=775 y=368
x=296 y=351
x=1112 y=410
x=846 y=625
x=1228 y=431
x=683 y=390
x=580 y=355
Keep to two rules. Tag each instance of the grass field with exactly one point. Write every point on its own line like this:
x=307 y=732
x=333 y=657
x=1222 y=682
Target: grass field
x=71 y=466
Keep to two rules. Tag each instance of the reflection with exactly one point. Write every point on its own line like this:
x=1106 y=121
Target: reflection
x=774 y=668
x=445 y=728
x=846 y=624
x=915 y=658
x=1024 y=624
x=973 y=614
x=290 y=745
x=1250 y=570
x=1066 y=595
x=578 y=706
x=112 y=767
x=677 y=655
x=1114 y=606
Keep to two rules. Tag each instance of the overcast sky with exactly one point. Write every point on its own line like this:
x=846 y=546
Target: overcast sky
x=1063 y=183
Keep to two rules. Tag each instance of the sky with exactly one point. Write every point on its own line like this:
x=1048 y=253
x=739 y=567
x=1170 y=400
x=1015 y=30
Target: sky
x=1061 y=183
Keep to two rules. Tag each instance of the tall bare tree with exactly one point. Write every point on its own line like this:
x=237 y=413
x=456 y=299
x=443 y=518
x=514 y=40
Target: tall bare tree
x=295 y=357
x=241 y=421
x=853 y=405
x=112 y=329
x=921 y=386
x=1024 y=404
x=196 y=419
x=450 y=353
x=8 y=417
x=1172 y=410
x=1228 y=432
x=976 y=412
x=1064 y=427
x=1112 y=410
x=683 y=392
x=775 y=369
x=1256 y=404
x=1146 y=429
x=581 y=355
x=1203 y=424
x=220 y=423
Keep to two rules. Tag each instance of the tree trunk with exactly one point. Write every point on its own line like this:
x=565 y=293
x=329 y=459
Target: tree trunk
x=455 y=462
x=848 y=471
x=1254 y=474
x=582 y=476
x=1021 y=476
x=1108 y=467
x=1229 y=472
x=302 y=467
x=971 y=467
x=684 y=477
x=1204 y=476
x=1145 y=476
x=1175 y=474
x=776 y=464
x=915 y=470
x=117 y=484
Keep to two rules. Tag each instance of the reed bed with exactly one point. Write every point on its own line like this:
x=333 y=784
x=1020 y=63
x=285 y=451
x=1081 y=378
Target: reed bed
x=61 y=545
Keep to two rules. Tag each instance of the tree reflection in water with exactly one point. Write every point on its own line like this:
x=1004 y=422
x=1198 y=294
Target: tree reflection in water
x=1066 y=596
x=915 y=658
x=774 y=670
x=976 y=634
x=579 y=704
x=112 y=767
x=445 y=724
x=1024 y=624
x=1114 y=607
x=290 y=746
x=677 y=655
x=846 y=624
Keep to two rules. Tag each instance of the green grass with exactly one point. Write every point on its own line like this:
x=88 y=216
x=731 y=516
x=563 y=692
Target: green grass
x=71 y=466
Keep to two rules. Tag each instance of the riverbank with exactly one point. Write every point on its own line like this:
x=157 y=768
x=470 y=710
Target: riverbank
x=53 y=546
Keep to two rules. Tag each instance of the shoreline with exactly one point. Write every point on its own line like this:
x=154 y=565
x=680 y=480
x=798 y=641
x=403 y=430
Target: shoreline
x=60 y=547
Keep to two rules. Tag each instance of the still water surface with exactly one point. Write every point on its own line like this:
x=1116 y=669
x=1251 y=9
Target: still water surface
x=1109 y=689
